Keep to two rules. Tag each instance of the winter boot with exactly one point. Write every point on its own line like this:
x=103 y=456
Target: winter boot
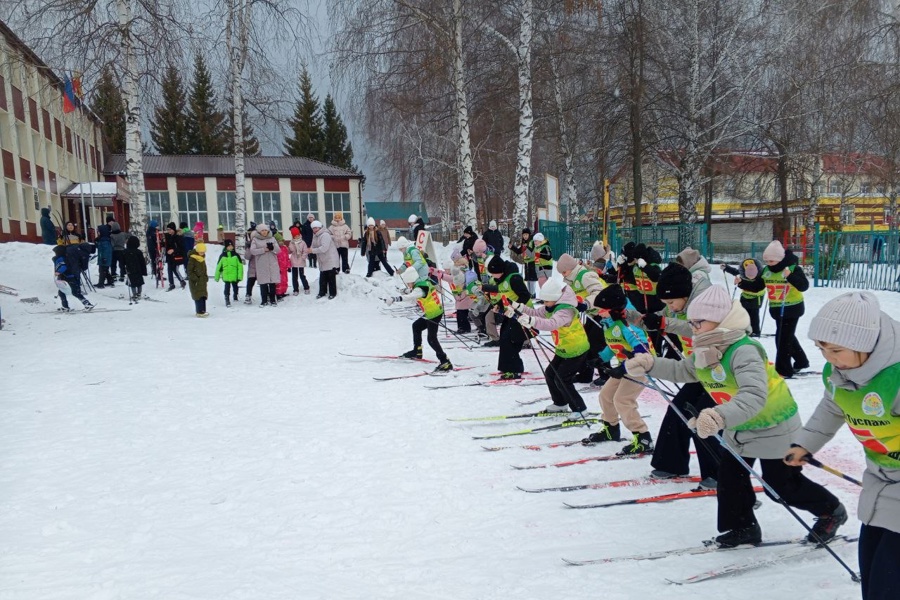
x=641 y=443
x=444 y=367
x=183 y=284
x=556 y=408
x=607 y=433
x=203 y=315
x=296 y=293
x=491 y=344
x=510 y=376
x=170 y=288
x=657 y=474
x=575 y=416
x=248 y=300
x=306 y=292
x=736 y=537
x=227 y=302
x=89 y=307
x=827 y=525
x=414 y=353
x=708 y=483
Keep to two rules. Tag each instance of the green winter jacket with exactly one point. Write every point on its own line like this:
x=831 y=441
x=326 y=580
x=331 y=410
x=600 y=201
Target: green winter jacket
x=230 y=268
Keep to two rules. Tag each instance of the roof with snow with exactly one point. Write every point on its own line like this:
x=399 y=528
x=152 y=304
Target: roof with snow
x=96 y=188
x=223 y=166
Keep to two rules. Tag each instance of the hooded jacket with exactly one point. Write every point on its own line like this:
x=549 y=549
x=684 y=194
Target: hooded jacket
x=152 y=238
x=197 y=275
x=747 y=284
x=494 y=239
x=467 y=242
x=48 y=229
x=590 y=281
x=325 y=251
x=229 y=268
x=119 y=238
x=545 y=320
x=135 y=265
x=267 y=270
x=341 y=233
x=879 y=502
x=749 y=366
x=299 y=251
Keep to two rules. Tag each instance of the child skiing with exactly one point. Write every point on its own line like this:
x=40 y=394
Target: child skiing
x=618 y=397
x=298 y=252
x=543 y=258
x=526 y=249
x=230 y=269
x=748 y=277
x=198 y=278
x=861 y=378
x=412 y=258
x=457 y=273
x=68 y=275
x=785 y=284
x=135 y=267
x=559 y=315
x=424 y=293
x=508 y=287
x=754 y=407
x=586 y=284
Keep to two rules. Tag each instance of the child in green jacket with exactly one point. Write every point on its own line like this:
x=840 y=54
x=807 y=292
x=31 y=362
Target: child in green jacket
x=230 y=269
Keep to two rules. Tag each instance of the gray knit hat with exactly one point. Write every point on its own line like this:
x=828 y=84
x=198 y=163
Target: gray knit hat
x=851 y=320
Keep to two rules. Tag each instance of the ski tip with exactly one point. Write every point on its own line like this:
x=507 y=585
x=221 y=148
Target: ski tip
x=573 y=563
x=674 y=582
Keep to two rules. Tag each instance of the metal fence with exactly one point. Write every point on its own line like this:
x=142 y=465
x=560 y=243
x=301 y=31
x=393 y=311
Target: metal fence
x=863 y=260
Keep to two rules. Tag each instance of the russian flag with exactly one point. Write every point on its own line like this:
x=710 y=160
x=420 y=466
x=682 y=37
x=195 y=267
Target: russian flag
x=70 y=100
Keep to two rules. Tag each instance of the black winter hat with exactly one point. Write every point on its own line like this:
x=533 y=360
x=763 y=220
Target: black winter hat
x=526 y=230
x=640 y=251
x=652 y=256
x=133 y=243
x=628 y=251
x=674 y=282
x=110 y=218
x=229 y=243
x=469 y=230
x=611 y=298
x=171 y=226
x=497 y=265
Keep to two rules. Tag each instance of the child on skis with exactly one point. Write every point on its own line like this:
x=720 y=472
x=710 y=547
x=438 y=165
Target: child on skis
x=861 y=378
x=748 y=277
x=559 y=315
x=412 y=258
x=618 y=397
x=457 y=273
x=543 y=258
x=68 y=276
x=586 y=284
x=230 y=269
x=424 y=293
x=298 y=252
x=525 y=248
x=135 y=267
x=198 y=278
x=785 y=284
x=756 y=410
x=508 y=287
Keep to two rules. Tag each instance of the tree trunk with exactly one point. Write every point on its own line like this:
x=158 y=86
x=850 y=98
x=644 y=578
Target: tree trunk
x=237 y=26
x=468 y=205
x=569 y=191
x=134 y=166
x=782 y=175
x=526 y=116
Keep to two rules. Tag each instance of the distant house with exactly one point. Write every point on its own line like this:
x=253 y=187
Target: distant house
x=282 y=189
x=396 y=214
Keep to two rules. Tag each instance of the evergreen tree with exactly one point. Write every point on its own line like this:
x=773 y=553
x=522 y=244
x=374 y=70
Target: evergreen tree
x=251 y=143
x=108 y=105
x=306 y=124
x=337 y=148
x=206 y=128
x=168 y=130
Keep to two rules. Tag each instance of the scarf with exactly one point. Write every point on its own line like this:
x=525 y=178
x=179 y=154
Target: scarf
x=709 y=347
x=198 y=257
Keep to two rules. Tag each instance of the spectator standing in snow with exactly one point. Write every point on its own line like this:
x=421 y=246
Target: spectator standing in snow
x=251 y=263
x=70 y=235
x=298 y=250
x=493 y=238
x=152 y=241
x=341 y=234
x=467 y=240
x=198 y=278
x=119 y=239
x=265 y=250
x=327 y=259
x=284 y=267
x=307 y=232
x=134 y=266
x=230 y=269
x=104 y=254
x=373 y=247
x=174 y=256
x=48 y=229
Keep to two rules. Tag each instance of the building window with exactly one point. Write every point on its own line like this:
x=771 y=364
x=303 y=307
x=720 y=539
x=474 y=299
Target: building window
x=833 y=187
x=880 y=189
x=267 y=207
x=158 y=208
x=192 y=208
x=800 y=190
x=337 y=202
x=225 y=203
x=865 y=188
x=848 y=215
x=303 y=203
x=757 y=190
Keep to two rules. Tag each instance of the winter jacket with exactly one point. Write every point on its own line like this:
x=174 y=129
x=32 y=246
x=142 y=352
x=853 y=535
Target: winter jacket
x=553 y=320
x=267 y=270
x=187 y=240
x=152 y=239
x=326 y=253
x=230 y=268
x=494 y=239
x=284 y=267
x=299 y=251
x=879 y=502
x=48 y=229
x=135 y=265
x=197 y=275
x=104 y=246
x=385 y=237
x=750 y=288
x=119 y=238
x=306 y=232
x=173 y=243
x=467 y=242
x=458 y=280
x=749 y=366
x=680 y=327
x=341 y=233
x=797 y=278
x=373 y=243
x=590 y=281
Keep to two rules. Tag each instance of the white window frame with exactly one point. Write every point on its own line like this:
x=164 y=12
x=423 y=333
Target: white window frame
x=303 y=203
x=267 y=207
x=338 y=202
x=848 y=214
x=159 y=207
x=834 y=187
x=192 y=208
x=225 y=204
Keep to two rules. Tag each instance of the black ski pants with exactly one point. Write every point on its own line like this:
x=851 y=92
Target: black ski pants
x=736 y=497
x=343 y=254
x=267 y=292
x=432 y=324
x=231 y=286
x=299 y=273
x=560 y=377
x=462 y=320
x=327 y=283
x=673 y=442
x=752 y=306
x=879 y=562
x=592 y=359
x=788 y=347
x=374 y=259
x=172 y=269
x=511 y=339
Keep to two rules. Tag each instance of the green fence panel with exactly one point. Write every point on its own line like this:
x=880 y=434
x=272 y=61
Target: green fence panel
x=857 y=259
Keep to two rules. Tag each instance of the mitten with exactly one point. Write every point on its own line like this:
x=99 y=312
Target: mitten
x=639 y=365
x=641 y=263
x=709 y=423
x=621 y=259
x=617 y=372
x=653 y=321
x=582 y=306
x=527 y=321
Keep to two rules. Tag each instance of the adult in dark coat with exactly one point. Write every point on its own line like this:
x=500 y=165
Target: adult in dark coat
x=48 y=229
x=306 y=233
x=174 y=256
x=493 y=238
x=135 y=266
x=467 y=240
x=152 y=249
x=104 y=254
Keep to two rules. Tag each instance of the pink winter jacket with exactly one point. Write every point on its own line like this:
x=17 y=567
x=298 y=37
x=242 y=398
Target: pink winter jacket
x=559 y=317
x=299 y=251
x=267 y=270
x=341 y=233
x=457 y=277
x=284 y=266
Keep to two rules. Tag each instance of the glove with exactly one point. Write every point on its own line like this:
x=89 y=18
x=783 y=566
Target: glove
x=392 y=299
x=516 y=306
x=582 y=306
x=621 y=259
x=611 y=277
x=509 y=312
x=797 y=456
x=709 y=423
x=527 y=321
x=617 y=372
x=722 y=266
x=639 y=365
x=432 y=271
x=653 y=321
x=641 y=263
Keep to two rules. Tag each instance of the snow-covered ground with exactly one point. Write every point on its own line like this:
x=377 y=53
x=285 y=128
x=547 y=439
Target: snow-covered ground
x=150 y=454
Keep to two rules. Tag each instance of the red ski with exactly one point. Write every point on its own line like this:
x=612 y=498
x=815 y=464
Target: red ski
x=386 y=357
x=651 y=499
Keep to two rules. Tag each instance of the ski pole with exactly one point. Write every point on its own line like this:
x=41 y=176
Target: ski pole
x=809 y=459
x=772 y=493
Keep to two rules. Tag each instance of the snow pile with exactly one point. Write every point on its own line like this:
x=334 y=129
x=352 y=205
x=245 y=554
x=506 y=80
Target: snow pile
x=151 y=454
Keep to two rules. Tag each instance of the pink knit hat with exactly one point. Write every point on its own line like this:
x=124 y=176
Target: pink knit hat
x=774 y=252
x=566 y=262
x=479 y=246
x=713 y=304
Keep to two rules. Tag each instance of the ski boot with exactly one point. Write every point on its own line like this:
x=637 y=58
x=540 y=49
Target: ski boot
x=444 y=367
x=736 y=537
x=607 y=433
x=827 y=525
x=414 y=353
x=510 y=376
x=556 y=408
x=641 y=443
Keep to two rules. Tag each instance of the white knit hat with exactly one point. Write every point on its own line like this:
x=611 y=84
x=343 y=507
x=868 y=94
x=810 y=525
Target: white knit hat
x=412 y=219
x=851 y=320
x=774 y=252
x=402 y=243
x=370 y=222
x=538 y=237
x=713 y=304
x=315 y=224
x=551 y=291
